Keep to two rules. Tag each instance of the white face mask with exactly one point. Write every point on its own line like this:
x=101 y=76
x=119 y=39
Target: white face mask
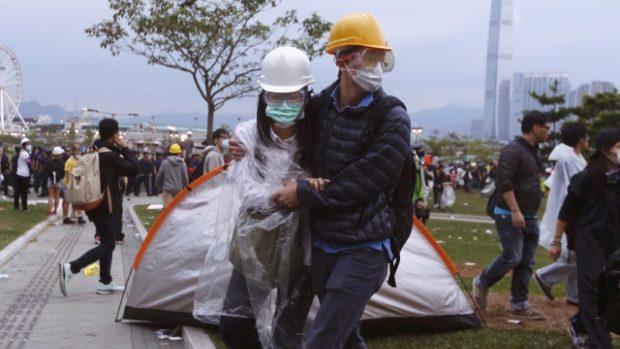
x=225 y=144
x=29 y=148
x=368 y=80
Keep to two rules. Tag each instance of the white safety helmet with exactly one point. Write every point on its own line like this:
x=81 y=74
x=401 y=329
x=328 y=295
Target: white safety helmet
x=24 y=140
x=57 y=151
x=285 y=69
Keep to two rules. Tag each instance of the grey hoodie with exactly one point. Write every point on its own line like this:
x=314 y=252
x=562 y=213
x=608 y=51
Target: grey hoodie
x=172 y=175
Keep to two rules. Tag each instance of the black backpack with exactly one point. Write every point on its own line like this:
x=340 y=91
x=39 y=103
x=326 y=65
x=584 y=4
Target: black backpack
x=400 y=196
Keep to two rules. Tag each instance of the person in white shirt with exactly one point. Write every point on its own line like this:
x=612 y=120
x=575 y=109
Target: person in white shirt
x=23 y=175
x=569 y=162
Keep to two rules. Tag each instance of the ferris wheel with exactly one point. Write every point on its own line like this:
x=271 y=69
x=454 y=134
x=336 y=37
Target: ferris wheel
x=10 y=89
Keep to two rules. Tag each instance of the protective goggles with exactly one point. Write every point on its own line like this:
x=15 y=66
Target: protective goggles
x=293 y=99
x=368 y=58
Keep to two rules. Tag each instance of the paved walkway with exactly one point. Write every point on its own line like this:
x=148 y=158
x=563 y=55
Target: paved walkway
x=33 y=312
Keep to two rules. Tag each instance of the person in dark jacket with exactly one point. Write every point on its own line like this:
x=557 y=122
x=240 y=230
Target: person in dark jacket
x=4 y=170
x=518 y=199
x=118 y=161
x=54 y=172
x=350 y=216
x=590 y=217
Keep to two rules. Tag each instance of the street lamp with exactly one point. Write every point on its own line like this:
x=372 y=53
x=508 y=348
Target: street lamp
x=416 y=134
x=111 y=114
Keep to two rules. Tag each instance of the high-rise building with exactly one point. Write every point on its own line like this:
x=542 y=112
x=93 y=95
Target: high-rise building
x=601 y=87
x=499 y=71
x=525 y=83
x=576 y=96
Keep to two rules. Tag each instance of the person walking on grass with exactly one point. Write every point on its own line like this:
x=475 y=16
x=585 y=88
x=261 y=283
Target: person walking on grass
x=172 y=175
x=589 y=217
x=115 y=160
x=518 y=199
x=569 y=162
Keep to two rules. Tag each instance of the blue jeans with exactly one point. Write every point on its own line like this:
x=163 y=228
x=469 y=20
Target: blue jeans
x=343 y=282
x=518 y=254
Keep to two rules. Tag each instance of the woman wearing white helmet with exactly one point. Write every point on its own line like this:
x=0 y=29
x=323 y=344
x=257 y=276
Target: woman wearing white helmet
x=54 y=172
x=267 y=248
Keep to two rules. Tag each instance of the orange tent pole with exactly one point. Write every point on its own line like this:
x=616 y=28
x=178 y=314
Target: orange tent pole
x=440 y=251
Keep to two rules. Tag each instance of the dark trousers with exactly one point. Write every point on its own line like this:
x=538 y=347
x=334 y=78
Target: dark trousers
x=106 y=229
x=146 y=180
x=344 y=283
x=289 y=319
x=592 y=258
x=518 y=254
x=21 y=192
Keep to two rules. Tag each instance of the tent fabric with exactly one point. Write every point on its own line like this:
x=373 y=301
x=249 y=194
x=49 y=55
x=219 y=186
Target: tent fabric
x=568 y=163
x=169 y=263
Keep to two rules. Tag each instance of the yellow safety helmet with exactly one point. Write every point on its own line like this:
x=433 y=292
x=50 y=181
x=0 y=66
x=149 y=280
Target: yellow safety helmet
x=358 y=29
x=175 y=149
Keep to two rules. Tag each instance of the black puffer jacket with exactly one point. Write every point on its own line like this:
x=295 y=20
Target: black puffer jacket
x=353 y=206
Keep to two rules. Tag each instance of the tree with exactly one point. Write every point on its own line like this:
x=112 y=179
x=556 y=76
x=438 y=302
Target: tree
x=218 y=42
x=89 y=136
x=600 y=111
x=555 y=111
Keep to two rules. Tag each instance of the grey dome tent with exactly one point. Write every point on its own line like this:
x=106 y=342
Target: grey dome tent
x=167 y=266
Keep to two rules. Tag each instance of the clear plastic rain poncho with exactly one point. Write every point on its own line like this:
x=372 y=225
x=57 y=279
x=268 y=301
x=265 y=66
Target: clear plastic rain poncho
x=257 y=239
x=568 y=163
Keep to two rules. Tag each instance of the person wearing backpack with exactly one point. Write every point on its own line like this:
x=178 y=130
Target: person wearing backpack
x=115 y=160
x=361 y=146
x=517 y=202
x=172 y=175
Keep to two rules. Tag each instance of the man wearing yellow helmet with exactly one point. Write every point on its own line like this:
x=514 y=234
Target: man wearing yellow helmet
x=172 y=176
x=361 y=143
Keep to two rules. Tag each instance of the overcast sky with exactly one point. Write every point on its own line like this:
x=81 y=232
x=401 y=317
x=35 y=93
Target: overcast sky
x=440 y=49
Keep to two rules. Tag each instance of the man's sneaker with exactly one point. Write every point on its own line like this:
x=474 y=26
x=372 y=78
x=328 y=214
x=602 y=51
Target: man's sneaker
x=64 y=275
x=480 y=294
x=81 y=221
x=68 y=221
x=109 y=288
x=528 y=314
x=579 y=340
x=542 y=285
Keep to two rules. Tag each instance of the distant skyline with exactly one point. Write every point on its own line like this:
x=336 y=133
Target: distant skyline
x=440 y=49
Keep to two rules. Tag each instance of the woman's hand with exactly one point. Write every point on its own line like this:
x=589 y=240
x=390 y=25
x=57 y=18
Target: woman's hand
x=317 y=184
x=555 y=251
x=236 y=150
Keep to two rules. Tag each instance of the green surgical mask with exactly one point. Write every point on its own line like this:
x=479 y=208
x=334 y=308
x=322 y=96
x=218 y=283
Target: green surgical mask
x=284 y=113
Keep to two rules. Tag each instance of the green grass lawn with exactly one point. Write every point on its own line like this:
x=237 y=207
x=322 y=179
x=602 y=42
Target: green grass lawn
x=14 y=223
x=478 y=243
x=473 y=204
x=147 y=217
